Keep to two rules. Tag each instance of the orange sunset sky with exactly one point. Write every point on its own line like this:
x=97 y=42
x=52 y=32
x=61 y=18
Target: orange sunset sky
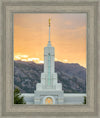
x=68 y=36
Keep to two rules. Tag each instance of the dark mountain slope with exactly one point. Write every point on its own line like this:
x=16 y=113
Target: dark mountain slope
x=72 y=76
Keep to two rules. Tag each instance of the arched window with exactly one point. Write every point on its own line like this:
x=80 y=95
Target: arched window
x=48 y=100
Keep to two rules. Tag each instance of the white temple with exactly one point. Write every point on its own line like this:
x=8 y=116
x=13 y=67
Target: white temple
x=49 y=91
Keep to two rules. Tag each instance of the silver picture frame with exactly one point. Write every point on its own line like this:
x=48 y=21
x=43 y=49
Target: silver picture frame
x=7 y=9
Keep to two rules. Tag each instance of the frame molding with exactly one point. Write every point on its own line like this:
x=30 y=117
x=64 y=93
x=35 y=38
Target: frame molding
x=8 y=8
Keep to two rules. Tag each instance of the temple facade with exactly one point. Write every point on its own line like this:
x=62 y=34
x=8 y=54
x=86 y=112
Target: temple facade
x=49 y=91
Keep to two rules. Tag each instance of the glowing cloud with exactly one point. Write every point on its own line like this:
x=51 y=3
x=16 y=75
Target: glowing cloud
x=17 y=58
x=27 y=58
x=23 y=59
x=56 y=59
x=65 y=60
x=41 y=61
x=33 y=59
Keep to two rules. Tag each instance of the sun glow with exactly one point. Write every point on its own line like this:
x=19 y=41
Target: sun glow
x=67 y=35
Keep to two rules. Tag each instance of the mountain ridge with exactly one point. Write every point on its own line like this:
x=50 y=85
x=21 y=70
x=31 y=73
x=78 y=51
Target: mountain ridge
x=71 y=75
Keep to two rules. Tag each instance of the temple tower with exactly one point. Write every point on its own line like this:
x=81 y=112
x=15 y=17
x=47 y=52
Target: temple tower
x=49 y=91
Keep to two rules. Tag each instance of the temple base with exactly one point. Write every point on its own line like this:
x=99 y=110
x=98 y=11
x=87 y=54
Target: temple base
x=48 y=97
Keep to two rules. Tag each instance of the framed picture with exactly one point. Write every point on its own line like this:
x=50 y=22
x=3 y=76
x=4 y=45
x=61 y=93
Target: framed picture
x=59 y=77
x=49 y=58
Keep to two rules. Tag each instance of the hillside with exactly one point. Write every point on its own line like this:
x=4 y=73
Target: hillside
x=27 y=74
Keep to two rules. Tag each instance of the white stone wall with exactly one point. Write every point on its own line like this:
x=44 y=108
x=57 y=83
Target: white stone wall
x=69 y=98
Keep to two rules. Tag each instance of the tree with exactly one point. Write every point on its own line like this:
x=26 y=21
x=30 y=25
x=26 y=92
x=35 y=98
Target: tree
x=84 y=100
x=18 y=99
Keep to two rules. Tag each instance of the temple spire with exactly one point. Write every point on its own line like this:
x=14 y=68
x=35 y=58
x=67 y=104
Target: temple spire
x=49 y=42
x=49 y=22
